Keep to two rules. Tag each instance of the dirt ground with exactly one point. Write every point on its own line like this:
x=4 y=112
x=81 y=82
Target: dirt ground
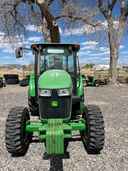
x=114 y=157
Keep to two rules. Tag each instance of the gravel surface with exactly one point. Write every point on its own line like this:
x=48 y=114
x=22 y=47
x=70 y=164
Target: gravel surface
x=114 y=105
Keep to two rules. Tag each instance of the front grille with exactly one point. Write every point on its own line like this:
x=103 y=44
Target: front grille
x=49 y=112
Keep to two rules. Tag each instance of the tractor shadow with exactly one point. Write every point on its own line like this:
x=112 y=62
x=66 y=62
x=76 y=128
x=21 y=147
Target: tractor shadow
x=56 y=162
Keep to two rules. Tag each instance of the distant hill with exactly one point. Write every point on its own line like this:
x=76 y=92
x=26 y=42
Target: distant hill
x=21 y=70
x=11 y=66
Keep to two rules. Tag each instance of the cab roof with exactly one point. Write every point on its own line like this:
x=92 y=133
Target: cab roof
x=75 y=47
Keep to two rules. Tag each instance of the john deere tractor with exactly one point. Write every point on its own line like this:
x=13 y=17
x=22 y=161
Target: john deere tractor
x=56 y=98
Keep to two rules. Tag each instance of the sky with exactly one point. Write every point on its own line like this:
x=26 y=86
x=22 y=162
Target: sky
x=94 y=47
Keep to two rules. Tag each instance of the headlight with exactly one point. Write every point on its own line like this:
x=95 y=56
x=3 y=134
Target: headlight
x=64 y=92
x=44 y=93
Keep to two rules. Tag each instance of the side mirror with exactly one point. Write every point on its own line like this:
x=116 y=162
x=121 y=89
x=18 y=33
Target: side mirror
x=19 y=52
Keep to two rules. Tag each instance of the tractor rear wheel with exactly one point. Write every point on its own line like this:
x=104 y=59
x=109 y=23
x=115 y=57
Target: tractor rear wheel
x=17 y=140
x=93 y=137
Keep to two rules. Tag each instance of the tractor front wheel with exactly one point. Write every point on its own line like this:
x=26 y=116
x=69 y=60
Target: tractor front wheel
x=93 y=137
x=16 y=138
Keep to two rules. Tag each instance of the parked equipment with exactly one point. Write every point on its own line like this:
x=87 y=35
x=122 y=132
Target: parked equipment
x=11 y=78
x=95 y=82
x=56 y=96
x=90 y=81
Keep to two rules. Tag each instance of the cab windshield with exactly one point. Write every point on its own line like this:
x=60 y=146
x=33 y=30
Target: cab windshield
x=57 y=59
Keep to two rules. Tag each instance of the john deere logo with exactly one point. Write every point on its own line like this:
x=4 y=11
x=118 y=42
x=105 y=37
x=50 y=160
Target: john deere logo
x=54 y=103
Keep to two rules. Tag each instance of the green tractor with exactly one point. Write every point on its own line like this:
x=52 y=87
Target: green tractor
x=56 y=98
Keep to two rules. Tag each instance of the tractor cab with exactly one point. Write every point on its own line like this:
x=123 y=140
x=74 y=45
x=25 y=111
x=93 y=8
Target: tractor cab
x=57 y=70
x=57 y=57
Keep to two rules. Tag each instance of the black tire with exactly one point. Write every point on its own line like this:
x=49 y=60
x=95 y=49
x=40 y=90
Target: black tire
x=94 y=136
x=11 y=78
x=16 y=139
x=23 y=83
x=12 y=81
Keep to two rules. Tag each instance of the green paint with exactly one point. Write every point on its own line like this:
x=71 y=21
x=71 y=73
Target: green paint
x=78 y=126
x=54 y=131
x=55 y=137
x=80 y=86
x=55 y=103
x=80 y=92
x=31 y=89
x=55 y=79
x=39 y=126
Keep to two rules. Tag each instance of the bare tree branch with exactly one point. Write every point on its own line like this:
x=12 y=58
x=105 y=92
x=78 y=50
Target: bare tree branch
x=101 y=7
x=112 y=4
x=79 y=18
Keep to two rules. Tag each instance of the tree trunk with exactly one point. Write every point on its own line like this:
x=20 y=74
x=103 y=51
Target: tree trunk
x=114 y=52
x=113 y=63
x=45 y=31
x=52 y=27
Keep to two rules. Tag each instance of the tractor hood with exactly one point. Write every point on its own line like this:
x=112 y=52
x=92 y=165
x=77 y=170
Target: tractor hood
x=55 y=79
